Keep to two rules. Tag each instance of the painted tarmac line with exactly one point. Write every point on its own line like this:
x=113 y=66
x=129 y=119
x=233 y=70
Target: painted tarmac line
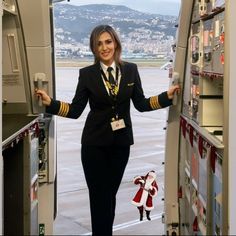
x=131 y=223
x=135 y=222
x=147 y=155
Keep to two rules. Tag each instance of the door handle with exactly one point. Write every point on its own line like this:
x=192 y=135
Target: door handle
x=40 y=82
x=175 y=81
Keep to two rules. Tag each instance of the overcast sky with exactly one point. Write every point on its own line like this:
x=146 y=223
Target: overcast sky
x=169 y=7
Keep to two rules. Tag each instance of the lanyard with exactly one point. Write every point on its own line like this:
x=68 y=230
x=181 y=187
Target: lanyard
x=113 y=89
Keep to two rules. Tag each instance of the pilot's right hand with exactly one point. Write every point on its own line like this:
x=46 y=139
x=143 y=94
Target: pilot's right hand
x=46 y=100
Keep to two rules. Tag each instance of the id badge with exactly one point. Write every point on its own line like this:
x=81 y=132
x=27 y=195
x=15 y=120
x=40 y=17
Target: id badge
x=118 y=124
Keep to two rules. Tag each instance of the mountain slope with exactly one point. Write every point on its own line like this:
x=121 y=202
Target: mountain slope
x=76 y=22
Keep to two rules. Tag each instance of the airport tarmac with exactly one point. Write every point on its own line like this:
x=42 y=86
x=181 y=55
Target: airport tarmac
x=147 y=154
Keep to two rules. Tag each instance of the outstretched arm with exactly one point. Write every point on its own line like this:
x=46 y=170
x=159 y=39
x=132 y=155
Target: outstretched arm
x=155 y=102
x=69 y=110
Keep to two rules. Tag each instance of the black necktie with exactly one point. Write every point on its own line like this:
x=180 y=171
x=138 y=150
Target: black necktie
x=110 y=76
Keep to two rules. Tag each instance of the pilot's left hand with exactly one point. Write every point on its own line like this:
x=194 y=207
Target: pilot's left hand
x=172 y=90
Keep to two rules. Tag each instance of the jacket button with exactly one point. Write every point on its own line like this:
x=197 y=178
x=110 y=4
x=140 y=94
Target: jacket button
x=113 y=107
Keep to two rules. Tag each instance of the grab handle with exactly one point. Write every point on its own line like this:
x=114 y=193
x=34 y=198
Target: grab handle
x=40 y=80
x=175 y=81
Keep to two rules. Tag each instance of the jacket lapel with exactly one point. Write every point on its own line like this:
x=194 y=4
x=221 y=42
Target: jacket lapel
x=122 y=81
x=100 y=84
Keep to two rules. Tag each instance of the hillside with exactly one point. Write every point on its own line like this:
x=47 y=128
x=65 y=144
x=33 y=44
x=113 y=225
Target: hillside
x=73 y=24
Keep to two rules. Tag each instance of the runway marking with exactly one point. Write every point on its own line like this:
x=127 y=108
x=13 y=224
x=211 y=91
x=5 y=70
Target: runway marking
x=160 y=146
x=135 y=222
x=131 y=223
x=147 y=155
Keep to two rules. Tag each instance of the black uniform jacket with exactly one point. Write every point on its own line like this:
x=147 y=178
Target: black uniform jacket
x=97 y=130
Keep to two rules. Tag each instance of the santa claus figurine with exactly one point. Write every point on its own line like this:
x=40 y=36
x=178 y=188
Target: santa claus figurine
x=148 y=189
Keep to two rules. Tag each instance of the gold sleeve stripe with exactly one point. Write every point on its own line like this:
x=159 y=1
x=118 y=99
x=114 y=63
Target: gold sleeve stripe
x=64 y=109
x=61 y=108
x=59 y=112
x=157 y=103
x=154 y=103
x=151 y=103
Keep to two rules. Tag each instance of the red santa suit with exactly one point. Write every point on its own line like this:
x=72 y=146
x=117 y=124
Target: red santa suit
x=148 y=189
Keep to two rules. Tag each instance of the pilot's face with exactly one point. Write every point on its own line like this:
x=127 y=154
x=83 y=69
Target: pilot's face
x=106 y=48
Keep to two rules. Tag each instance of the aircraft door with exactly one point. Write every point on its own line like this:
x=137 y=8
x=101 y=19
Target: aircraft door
x=38 y=39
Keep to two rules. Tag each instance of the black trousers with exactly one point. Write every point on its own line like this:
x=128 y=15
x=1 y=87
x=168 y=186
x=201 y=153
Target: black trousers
x=104 y=168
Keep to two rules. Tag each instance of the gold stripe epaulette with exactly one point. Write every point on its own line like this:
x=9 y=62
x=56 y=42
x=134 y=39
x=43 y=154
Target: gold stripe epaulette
x=154 y=103
x=64 y=109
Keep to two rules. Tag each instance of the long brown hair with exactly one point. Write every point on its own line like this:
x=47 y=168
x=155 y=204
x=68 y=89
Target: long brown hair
x=97 y=31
